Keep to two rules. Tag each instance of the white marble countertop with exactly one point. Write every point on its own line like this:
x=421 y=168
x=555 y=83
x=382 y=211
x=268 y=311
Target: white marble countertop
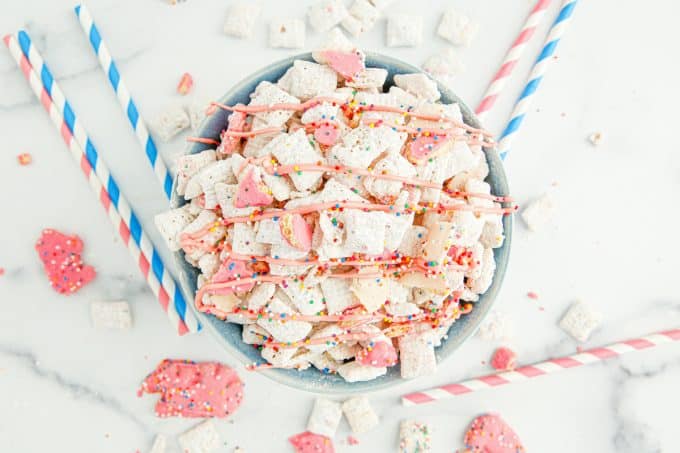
x=67 y=387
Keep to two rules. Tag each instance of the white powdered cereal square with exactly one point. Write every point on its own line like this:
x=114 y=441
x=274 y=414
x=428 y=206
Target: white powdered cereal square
x=202 y=438
x=325 y=417
x=414 y=437
x=268 y=232
x=267 y=93
x=416 y=354
x=369 y=78
x=326 y=14
x=418 y=85
x=580 y=321
x=307 y=299
x=413 y=241
x=444 y=64
x=371 y=292
x=337 y=294
x=111 y=315
x=365 y=231
x=487 y=267
x=325 y=363
x=292 y=149
x=170 y=122
x=306 y=80
x=335 y=40
x=260 y=295
x=344 y=351
x=457 y=28
x=254 y=334
x=244 y=241
x=404 y=30
x=287 y=33
x=170 y=223
x=360 y=414
x=393 y=164
x=362 y=17
x=539 y=212
x=191 y=164
x=208 y=264
x=287 y=331
x=216 y=172
x=355 y=372
x=241 y=18
x=438 y=242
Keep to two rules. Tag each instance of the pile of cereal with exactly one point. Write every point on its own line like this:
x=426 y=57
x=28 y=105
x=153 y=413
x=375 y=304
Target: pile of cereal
x=344 y=226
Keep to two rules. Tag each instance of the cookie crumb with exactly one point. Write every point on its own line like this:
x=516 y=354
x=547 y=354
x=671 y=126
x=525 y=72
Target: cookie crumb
x=25 y=159
x=532 y=295
x=504 y=359
x=596 y=138
x=352 y=440
x=185 y=84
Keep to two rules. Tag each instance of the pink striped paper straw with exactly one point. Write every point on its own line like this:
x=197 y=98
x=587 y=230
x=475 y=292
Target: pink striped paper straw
x=541 y=368
x=148 y=265
x=511 y=58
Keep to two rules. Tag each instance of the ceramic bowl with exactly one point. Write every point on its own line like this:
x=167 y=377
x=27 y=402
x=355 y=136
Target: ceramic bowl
x=229 y=335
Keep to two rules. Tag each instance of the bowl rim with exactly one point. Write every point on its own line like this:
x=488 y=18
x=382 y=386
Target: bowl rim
x=450 y=344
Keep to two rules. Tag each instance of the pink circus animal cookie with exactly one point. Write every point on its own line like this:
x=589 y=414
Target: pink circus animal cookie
x=252 y=192
x=327 y=134
x=296 y=231
x=60 y=255
x=194 y=390
x=236 y=123
x=311 y=443
x=381 y=354
x=490 y=434
x=231 y=270
x=347 y=64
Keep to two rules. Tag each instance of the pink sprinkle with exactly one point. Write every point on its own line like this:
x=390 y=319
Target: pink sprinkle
x=2 y=271
x=532 y=295
x=352 y=440
x=504 y=359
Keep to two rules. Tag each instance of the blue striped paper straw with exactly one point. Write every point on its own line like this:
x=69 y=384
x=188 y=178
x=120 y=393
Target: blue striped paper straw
x=538 y=71
x=124 y=99
x=157 y=276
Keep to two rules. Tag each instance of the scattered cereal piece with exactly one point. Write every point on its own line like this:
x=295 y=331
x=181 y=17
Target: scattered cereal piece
x=414 y=437
x=60 y=255
x=241 y=18
x=362 y=17
x=185 y=85
x=311 y=443
x=24 y=159
x=417 y=355
x=580 y=320
x=504 y=359
x=111 y=315
x=287 y=33
x=496 y=327
x=159 y=444
x=457 y=28
x=418 y=85
x=360 y=414
x=444 y=64
x=215 y=389
x=202 y=438
x=596 y=138
x=170 y=122
x=326 y=14
x=324 y=418
x=539 y=212
x=404 y=30
x=490 y=433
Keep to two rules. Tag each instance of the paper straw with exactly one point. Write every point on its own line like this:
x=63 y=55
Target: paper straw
x=108 y=191
x=538 y=71
x=539 y=369
x=511 y=58
x=123 y=94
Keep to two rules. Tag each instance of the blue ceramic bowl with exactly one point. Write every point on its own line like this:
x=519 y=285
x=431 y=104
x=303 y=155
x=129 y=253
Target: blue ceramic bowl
x=229 y=335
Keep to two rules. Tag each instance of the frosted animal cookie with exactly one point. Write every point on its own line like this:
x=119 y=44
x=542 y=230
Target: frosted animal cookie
x=418 y=85
x=414 y=437
x=241 y=18
x=362 y=17
x=287 y=33
x=202 y=438
x=404 y=30
x=170 y=122
x=444 y=64
x=111 y=315
x=457 y=28
x=326 y=14
x=196 y=109
x=539 y=212
x=325 y=417
x=360 y=414
x=580 y=321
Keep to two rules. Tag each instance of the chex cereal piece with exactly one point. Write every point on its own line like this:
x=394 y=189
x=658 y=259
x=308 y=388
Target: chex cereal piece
x=504 y=359
x=539 y=212
x=170 y=122
x=480 y=283
x=414 y=437
x=292 y=149
x=191 y=164
x=268 y=93
x=362 y=17
x=159 y=444
x=287 y=33
x=418 y=85
x=287 y=331
x=311 y=443
x=306 y=80
x=360 y=414
x=202 y=438
x=241 y=18
x=580 y=321
x=444 y=64
x=325 y=417
x=196 y=108
x=254 y=334
x=60 y=255
x=416 y=353
x=170 y=223
x=356 y=372
x=111 y=315
x=490 y=433
x=326 y=14
x=457 y=28
x=369 y=78
x=337 y=294
x=308 y=300
x=496 y=327
x=214 y=389
x=325 y=363
x=404 y=30
x=244 y=242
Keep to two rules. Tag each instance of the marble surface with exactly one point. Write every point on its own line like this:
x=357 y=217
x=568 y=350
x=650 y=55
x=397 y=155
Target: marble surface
x=66 y=387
